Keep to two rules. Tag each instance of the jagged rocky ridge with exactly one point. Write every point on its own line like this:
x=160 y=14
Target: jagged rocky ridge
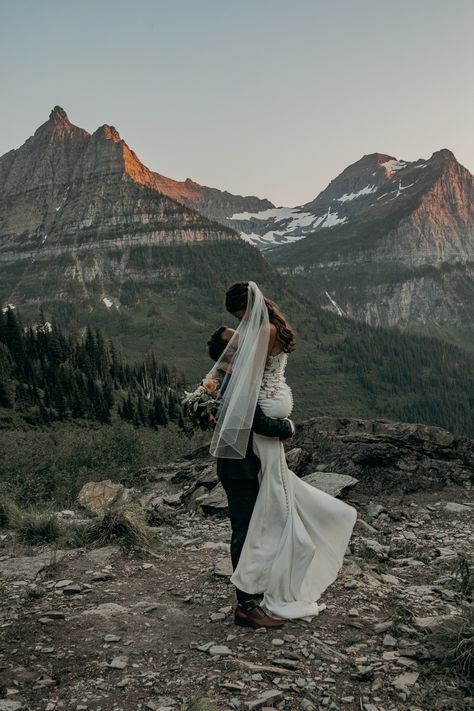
x=65 y=189
x=89 y=233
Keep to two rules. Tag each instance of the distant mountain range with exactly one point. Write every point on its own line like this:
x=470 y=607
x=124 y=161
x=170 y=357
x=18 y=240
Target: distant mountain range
x=378 y=188
x=389 y=242
x=91 y=236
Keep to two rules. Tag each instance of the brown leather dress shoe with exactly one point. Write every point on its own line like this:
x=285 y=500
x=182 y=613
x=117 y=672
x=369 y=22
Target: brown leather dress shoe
x=256 y=618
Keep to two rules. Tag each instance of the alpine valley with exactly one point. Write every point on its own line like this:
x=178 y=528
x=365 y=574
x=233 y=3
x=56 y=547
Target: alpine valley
x=90 y=236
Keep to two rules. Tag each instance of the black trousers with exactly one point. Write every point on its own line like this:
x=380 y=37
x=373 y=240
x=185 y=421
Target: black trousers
x=241 y=496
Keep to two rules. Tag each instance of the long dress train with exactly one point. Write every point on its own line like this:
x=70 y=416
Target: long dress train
x=297 y=535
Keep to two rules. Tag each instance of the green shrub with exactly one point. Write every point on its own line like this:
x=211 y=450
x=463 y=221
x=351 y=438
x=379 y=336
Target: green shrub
x=52 y=464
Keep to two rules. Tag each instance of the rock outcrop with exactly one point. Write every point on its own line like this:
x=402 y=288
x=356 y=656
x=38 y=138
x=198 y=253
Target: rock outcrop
x=333 y=454
x=384 y=455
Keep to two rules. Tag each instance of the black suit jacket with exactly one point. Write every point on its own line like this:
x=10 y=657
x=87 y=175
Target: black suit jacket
x=249 y=467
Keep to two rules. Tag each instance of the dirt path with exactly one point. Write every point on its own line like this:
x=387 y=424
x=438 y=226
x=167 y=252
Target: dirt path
x=133 y=631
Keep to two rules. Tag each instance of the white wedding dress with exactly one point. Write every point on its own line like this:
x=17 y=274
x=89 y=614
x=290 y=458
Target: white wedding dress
x=297 y=535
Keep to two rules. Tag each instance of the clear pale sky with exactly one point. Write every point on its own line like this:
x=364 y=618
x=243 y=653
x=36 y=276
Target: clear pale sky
x=266 y=97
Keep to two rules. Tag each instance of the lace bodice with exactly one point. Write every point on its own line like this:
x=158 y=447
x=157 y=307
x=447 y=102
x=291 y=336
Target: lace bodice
x=274 y=374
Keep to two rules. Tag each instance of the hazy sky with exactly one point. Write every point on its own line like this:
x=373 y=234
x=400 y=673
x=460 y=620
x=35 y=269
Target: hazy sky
x=266 y=97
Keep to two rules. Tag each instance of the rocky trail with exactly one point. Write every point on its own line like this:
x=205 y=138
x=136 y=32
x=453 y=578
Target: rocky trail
x=108 y=629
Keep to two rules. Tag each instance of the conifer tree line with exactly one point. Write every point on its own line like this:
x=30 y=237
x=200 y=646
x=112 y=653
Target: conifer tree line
x=411 y=378
x=47 y=375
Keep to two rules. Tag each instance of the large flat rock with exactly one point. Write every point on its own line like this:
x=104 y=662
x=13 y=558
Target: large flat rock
x=330 y=482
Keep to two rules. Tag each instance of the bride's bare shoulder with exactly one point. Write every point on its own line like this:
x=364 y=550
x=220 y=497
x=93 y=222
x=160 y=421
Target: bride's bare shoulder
x=272 y=339
x=274 y=345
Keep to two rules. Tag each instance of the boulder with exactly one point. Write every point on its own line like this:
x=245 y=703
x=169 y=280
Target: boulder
x=386 y=456
x=374 y=510
x=95 y=496
x=196 y=498
x=223 y=567
x=454 y=507
x=293 y=458
x=216 y=502
x=330 y=482
x=207 y=476
x=157 y=512
x=28 y=567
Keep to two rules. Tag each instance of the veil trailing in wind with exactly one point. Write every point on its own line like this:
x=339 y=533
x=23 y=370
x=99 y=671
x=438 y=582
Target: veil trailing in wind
x=240 y=370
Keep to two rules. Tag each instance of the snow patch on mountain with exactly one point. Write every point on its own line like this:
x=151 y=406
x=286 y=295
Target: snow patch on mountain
x=293 y=224
x=278 y=214
x=352 y=196
x=270 y=238
x=332 y=219
x=392 y=165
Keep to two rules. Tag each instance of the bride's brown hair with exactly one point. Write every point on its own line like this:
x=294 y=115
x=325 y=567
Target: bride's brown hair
x=236 y=300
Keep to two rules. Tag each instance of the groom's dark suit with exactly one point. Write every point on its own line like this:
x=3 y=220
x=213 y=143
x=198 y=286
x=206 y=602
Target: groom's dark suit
x=239 y=477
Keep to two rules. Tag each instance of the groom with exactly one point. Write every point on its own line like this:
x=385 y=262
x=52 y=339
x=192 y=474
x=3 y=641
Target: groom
x=239 y=477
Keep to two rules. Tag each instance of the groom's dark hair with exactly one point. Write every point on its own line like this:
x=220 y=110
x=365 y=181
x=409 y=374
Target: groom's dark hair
x=216 y=344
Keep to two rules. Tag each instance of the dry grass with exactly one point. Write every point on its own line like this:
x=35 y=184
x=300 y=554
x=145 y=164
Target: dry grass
x=36 y=528
x=198 y=704
x=119 y=525
x=453 y=643
x=463 y=576
x=10 y=514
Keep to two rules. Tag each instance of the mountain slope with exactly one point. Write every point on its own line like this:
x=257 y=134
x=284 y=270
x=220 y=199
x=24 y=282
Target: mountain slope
x=395 y=245
x=413 y=213
x=87 y=235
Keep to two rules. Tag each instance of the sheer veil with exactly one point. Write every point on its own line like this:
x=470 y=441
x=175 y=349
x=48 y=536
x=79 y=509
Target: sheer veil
x=240 y=370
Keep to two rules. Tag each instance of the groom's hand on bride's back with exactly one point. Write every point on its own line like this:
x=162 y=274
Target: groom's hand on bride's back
x=289 y=440
x=272 y=426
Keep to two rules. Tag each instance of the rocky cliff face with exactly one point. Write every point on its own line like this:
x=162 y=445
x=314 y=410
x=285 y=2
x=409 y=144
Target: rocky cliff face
x=64 y=187
x=382 y=208
x=389 y=242
x=88 y=234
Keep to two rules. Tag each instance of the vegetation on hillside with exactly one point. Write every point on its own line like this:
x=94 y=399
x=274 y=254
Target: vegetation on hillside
x=48 y=375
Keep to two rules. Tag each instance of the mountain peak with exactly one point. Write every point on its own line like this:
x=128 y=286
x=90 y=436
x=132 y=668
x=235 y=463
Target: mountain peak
x=445 y=154
x=58 y=127
x=372 y=159
x=59 y=117
x=110 y=133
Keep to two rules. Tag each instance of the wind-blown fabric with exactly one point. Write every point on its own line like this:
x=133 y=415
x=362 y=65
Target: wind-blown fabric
x=240 y=370
x=297 y=535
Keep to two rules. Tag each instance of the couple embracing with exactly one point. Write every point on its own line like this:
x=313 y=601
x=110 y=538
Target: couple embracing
x=288 y=538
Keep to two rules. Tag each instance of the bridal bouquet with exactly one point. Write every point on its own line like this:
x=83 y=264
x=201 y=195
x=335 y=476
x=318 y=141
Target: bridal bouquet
x=202 y=404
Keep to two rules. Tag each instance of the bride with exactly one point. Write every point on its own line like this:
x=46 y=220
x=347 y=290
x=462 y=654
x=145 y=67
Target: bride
x=297 y=536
